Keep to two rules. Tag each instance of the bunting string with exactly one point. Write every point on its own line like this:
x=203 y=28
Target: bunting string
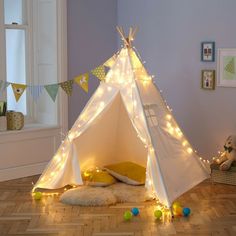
x=67 y=86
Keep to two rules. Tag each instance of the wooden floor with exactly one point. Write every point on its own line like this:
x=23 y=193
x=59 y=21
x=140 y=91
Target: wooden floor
x=213 y=213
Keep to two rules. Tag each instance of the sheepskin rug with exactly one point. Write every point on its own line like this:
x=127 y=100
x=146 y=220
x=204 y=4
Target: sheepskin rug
x=104 y=196
x=88 y=196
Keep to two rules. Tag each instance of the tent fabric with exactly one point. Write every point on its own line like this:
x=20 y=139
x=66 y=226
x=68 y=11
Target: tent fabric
x=127 y=119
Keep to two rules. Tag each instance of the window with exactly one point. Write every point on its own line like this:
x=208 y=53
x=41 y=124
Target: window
x=16 y=36
x=30 y=55
x=150 y=110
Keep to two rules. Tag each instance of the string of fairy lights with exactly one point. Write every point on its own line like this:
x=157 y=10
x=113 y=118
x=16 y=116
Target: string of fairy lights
x=170 y=117
x=85 y=119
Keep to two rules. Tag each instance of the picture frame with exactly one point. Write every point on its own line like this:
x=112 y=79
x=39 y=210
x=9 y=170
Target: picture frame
x=226 y=67
x=208 y=79
x=208 y=51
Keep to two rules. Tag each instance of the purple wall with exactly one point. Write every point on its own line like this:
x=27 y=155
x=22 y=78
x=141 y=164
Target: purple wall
x=92 y=38
x=169 y=37
x=169 y=40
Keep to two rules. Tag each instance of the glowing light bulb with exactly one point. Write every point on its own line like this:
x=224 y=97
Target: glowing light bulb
x=184 y=143
x=109 y=88
x=102 y=104
x=171 y=130
x=177 y=130
x=57 y=158
x=145 y=82
x=168 y=117
x=189 y=150
x=168 y=124
x=100 y=92
x=71 y=135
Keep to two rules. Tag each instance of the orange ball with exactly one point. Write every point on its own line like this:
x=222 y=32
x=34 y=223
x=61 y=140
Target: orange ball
x=178 y=211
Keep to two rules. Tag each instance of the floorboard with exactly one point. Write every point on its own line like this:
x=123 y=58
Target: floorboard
x=213 y=213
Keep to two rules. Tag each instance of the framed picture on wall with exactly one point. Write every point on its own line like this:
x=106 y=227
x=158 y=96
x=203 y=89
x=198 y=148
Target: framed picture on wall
x=208 y=79
x=226 y=67
x=208 y=51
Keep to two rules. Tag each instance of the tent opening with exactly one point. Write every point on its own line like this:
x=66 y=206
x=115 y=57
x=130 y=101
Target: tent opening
x=111 y=138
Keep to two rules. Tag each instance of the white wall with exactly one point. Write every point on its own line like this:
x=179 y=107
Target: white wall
x=169 y=38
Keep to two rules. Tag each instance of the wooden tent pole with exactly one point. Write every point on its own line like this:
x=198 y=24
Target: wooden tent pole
x=134 y=32
x=122 y=34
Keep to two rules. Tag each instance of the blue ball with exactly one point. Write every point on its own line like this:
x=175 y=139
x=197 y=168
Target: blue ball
x=135 y=211
x=186 y=211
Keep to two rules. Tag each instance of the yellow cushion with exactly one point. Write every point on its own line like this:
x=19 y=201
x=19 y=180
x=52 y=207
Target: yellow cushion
x=100 y=178
x=128 y=172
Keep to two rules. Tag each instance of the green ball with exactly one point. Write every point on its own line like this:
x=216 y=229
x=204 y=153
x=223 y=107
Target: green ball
x=158 y=214
x=38 y=195
x=128 y=215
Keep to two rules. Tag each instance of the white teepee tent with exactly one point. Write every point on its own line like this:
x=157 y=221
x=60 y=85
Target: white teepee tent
x=127 y=119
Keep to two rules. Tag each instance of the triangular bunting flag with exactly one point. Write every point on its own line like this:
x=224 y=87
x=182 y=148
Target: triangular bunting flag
x=18 y=90
x=52 y=90
x=99 y=72
x=67 y=86
x=35 y=91
x=82 y=81
x=110 y=62
x=230 y=67
x=3 y=85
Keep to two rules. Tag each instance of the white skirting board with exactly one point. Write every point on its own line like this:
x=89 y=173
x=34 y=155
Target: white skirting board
x=22 y=171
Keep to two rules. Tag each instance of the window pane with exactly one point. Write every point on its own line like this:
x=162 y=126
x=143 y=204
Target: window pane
x=16 y=68
x=14 y=11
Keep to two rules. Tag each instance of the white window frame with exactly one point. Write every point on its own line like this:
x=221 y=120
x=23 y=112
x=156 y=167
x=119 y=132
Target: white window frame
x=27 y=27
x=62 y=100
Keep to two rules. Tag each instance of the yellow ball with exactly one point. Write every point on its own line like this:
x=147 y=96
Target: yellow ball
x=175 y=205
x=178 y=211
x=38 y=195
